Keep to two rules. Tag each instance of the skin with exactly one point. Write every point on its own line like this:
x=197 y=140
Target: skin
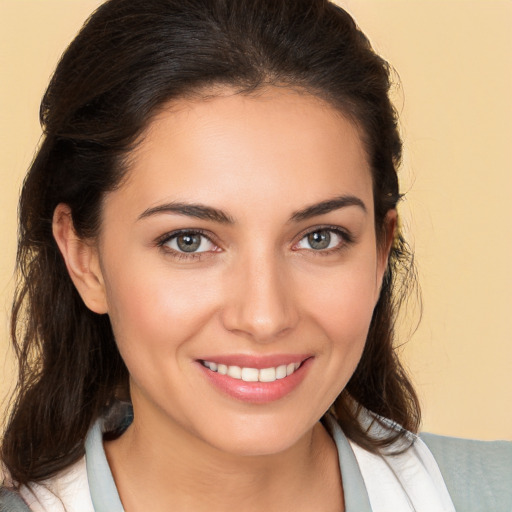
x=257 y=288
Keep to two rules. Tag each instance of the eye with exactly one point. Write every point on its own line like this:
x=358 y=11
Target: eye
x=322 y=239
x=188 y=242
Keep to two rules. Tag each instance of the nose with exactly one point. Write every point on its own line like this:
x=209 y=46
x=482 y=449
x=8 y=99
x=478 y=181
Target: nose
x=260 y=303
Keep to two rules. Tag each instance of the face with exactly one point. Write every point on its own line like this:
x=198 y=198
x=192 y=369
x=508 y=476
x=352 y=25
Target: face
x=240 y=267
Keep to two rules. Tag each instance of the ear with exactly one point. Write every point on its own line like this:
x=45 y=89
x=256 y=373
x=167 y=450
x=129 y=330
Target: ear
x=386 y=243
x=82 y=260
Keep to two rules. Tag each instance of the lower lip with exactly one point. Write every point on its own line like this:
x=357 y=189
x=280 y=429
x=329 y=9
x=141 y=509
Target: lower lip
x=257 y=392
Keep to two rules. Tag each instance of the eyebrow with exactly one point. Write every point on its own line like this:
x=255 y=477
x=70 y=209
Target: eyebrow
x=198 y=211
x=201 y=211
x=327 y=206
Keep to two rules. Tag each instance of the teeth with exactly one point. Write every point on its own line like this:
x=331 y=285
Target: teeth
x=267 y=375
x=235 y=372
x=253 y=374
x=291 y=368
x=281 y=372
x=250 y=374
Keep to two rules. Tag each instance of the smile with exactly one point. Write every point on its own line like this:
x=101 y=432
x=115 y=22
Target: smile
x=270 y=374
x=256 y=380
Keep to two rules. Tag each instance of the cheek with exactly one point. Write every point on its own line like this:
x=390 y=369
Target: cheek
x=343 y=301
x=343 y=316
x=156 y=309
x=348 y=310
x=345 y=319
x=341 y=306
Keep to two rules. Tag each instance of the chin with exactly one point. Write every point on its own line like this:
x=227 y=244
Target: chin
x=254 y=436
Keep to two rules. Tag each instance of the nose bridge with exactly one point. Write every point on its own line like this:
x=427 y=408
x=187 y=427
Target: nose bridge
x=260 y=303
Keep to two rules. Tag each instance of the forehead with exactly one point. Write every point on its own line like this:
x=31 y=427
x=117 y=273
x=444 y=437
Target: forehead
x=279 y=147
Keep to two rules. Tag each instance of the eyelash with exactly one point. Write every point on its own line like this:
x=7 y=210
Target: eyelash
x=161 y=242
x=346 y=239
x=165 y=239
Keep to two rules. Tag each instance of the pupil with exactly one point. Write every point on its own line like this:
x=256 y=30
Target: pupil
x=319 y=239
x=189 y=243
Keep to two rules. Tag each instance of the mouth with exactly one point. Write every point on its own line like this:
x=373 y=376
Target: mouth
x=248 y=374
x=256 y=380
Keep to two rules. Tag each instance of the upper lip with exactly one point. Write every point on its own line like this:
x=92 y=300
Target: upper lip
x=256 y=361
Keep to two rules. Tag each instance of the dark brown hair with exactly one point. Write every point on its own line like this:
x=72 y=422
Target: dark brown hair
x=130 y=58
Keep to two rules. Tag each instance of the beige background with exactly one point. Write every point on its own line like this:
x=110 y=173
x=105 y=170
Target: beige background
x=454 y=59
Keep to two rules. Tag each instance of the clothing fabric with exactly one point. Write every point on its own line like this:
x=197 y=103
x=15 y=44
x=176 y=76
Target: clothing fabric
x=478 y=475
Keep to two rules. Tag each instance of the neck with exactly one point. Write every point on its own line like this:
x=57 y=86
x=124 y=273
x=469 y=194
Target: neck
x=158 y=465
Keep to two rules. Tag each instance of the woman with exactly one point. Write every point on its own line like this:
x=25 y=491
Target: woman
x=209 y=254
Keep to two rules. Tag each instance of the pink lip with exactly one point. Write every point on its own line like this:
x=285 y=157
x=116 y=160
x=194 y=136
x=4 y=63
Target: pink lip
x=256 y=392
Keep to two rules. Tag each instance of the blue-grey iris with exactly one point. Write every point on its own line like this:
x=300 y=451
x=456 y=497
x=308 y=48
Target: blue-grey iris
x=188 y=243
x=319 y=239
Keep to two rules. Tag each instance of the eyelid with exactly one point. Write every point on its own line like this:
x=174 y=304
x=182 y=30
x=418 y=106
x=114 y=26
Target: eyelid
x=162 y=240
x=345 y=234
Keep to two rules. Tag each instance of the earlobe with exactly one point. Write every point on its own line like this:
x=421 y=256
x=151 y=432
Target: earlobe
x=82 y=261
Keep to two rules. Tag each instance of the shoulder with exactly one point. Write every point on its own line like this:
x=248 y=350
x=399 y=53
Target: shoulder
x=11 y=501
x=67 y=491
x=478 y=474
